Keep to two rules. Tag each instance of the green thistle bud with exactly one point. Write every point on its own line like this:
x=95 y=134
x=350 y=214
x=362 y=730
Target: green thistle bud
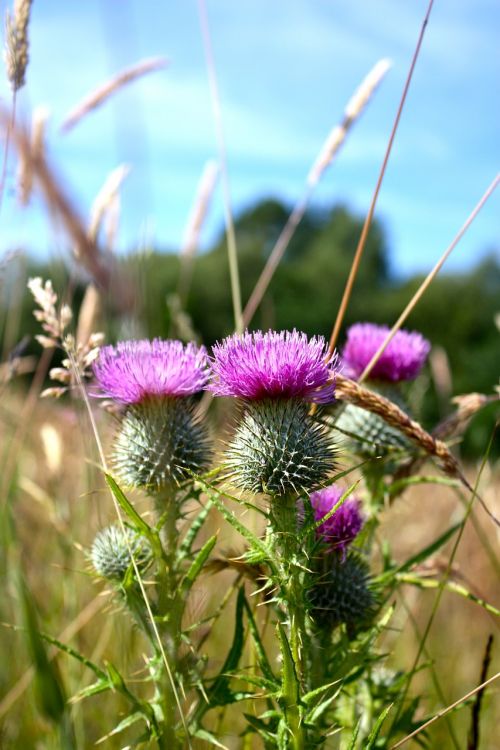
x=160 y=442
x=113 y=549
x=343 y=594
x=369 y=435
x=278 y=448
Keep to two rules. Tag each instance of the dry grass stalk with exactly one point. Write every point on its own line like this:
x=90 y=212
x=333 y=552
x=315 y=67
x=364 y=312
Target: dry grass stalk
x=25 y=171
x=353 y=393
x=369 y=217
x=204 y=193
x=89 y=312
x=55 y=322
x=353 y=110
x=105 y=199
x=102 y=93
x=329 y=150
x=467 y=406
x=17 y=43
x=428 y=280
x=232 y=250
x=455 y=424
x=441 y=373
x=444 y=711
x=86 y=250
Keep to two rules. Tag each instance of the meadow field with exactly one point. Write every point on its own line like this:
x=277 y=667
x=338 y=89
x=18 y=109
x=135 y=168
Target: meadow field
x=250 y=484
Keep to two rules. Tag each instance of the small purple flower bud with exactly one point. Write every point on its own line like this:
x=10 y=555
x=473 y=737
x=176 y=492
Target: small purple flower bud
x=344 y=525
x=132 y=371
x=271 y=365
x=402 y=359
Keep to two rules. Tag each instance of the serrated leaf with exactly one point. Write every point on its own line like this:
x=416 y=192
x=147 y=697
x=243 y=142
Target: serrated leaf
x=116 y=680
x=259 y=682
x=127 y=722
x=97 y=687
x=74 y=654
x=252 y=539
x=308 y=697
x=260 y=727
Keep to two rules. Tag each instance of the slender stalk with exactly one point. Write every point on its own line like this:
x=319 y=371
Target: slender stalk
x=366 y=227
x=427 y=281
x=230 y=233
x=442 y=584
x=325 y=157
x=5 y=160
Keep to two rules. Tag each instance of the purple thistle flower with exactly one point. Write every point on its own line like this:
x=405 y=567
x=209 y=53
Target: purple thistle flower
x=344 y=525
x=402 y=359
x=132 y=371
x=260 y=365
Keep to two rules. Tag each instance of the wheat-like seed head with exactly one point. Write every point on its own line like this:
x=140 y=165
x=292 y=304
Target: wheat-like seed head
x=353 y=110
x=353 y=393
x=16 y=43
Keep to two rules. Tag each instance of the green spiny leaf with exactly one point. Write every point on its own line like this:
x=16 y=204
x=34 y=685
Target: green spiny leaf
x=264 y=663
x=427 y=551
x=139 y=523
x=256 y=543
x=202 y=734
x=198 y=563
x=188 y=541
x=352 y=743
x=376 y=729
x=220 y=693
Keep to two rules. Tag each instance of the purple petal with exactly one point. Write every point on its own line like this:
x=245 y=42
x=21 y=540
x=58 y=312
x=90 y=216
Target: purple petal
x=344 y=525
x=133 y=370
x=402 y=359
x=273 y=365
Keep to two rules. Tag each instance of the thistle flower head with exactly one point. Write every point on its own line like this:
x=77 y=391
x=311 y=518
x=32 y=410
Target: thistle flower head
x=279 y=448
x=160 y=442
x=273 y=365
x=341 y=528
x=343 y=594
x=113 y=550
x=132 y=371
x=402 y=359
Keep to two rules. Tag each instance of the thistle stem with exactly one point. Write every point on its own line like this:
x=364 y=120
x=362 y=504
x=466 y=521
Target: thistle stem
x=170 y=610
x=284 y=540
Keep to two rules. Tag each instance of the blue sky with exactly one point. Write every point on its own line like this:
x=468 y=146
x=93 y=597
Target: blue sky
x=286 y=69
